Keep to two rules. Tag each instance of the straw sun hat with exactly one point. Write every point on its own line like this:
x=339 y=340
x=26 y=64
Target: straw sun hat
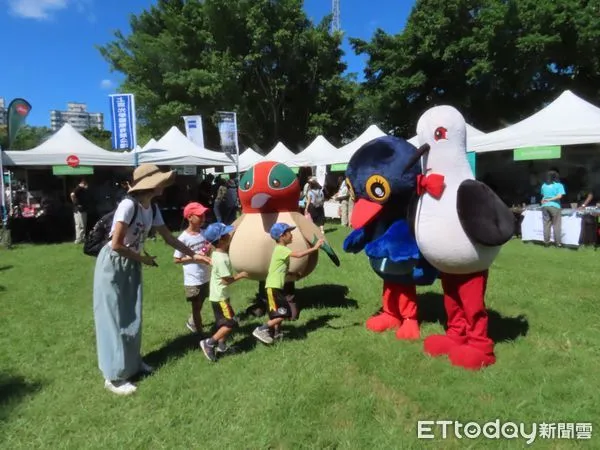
x=149 y=176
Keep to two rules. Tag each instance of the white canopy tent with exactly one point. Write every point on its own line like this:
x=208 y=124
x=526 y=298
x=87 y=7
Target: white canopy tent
x=247 y=159
x=568 y=120
x=319 y=150
x=344 y=153
x=63 y=144
x=151 y=143
x=174 y=149
x=472 y=133
x=280 y=154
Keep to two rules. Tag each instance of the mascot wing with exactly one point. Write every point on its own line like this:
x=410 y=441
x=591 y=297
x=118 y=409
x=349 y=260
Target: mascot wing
x=483 y=215
x=312 y=234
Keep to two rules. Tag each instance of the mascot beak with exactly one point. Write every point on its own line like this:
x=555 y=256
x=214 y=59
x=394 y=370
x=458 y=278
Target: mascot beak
x=422 y=150
x=363 y=212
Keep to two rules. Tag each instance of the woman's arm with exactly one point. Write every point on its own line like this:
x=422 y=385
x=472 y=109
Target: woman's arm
x=307 y=203
x=178 y=245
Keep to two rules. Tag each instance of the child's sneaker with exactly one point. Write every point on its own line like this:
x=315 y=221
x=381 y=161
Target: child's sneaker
x=278 y=335
x=190 y=326
x=263 y=335
x=222 y=347
x=120 y=387
x=209 y=350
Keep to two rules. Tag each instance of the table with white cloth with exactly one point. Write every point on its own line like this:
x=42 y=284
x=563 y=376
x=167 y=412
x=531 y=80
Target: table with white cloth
x=332 y=209
x=532 y=227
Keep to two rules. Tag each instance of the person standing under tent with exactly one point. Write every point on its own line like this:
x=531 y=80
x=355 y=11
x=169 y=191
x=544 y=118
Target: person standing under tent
x=552 y=192
x=81 y=204
x=343 y=196
x=315 y=200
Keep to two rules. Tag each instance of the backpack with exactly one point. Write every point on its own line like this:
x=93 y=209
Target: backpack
x=317 y=198
x=100 y=234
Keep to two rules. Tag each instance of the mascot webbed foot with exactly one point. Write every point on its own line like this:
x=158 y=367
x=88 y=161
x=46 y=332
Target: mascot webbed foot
x=409 y=330
x=471 y=358
x=441 y=344
x=382 y=322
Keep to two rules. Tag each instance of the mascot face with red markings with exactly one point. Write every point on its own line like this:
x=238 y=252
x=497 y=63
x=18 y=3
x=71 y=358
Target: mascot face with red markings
x=269 y=187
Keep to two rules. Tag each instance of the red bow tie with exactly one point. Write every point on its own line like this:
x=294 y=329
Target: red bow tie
x=432 y=184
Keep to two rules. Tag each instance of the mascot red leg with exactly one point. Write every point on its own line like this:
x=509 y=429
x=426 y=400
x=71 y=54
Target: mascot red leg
x=390 y=316
x=399 y=311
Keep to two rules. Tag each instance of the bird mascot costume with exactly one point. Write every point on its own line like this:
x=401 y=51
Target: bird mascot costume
x=382 y=179
x=269 y=193
x=460 y=232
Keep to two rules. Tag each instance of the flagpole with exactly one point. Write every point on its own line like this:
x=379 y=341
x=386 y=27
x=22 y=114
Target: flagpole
x=237 y=151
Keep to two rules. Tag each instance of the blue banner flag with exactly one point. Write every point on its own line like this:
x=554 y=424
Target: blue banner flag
x=122 y=112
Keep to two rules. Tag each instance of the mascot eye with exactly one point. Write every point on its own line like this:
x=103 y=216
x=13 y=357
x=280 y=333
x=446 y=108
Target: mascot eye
x=440 y=133
x=247 y=180
x=351 y=190
x=378 y=189
x=281 y=177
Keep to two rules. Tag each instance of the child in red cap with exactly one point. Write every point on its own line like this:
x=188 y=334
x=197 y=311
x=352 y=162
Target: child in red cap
x=195 y=276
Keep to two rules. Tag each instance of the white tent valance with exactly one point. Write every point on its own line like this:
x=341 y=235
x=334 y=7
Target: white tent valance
x=175 y=149
x=568 y=120
x=280 y=154
x=66 y=143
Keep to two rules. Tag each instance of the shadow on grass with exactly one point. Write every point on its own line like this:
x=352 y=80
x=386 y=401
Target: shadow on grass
x=291 y=331
x=325 y=296
x=3 y=268
x=173 y=349
x=12 y=389
x=2 y=288
x=500 y=328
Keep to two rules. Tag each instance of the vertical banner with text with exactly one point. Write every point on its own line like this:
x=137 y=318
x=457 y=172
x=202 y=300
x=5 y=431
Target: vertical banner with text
x=123 y=126
x=228 y=132
x=193 y=129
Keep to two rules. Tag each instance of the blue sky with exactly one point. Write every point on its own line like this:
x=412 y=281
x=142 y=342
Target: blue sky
x=49 y=55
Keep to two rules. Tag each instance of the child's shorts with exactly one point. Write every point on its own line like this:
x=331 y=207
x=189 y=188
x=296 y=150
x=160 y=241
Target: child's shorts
x=278 y=304
x=224 y=314
x=196 y=293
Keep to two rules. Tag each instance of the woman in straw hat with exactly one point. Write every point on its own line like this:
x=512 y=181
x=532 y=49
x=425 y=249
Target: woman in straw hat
x=118 y=279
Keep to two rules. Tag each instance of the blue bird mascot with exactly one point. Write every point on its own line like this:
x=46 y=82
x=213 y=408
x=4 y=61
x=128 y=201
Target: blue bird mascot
x=382 y=178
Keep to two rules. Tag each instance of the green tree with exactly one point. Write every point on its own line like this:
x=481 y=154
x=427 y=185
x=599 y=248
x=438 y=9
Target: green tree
x=27 y=138
x=496 y=60
x=102 y=138
x=264 y=59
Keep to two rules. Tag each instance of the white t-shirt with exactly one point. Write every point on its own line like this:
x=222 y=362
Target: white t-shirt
x=140 y=227
x=193 y=274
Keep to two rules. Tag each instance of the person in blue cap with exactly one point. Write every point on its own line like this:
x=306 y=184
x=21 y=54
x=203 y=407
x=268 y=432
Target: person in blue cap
x=279 y=308
x=221 y=277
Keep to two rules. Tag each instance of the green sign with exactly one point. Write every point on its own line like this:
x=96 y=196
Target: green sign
x=68 y=170
x=339 y=167
x=530 y=153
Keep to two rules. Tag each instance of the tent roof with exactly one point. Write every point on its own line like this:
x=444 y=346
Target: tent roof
x=319 y=150
x=280 y=154
x=66 y=142
x=472 y=132
x=568 y=120
x=247 y=159
x=344 y=154
x=175 y=149
x=151 y=143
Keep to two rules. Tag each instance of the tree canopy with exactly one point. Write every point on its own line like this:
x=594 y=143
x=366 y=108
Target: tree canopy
x=264 y=59
x=496 y=60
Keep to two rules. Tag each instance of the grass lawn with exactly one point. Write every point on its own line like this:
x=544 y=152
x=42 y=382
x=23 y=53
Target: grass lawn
x=330 y=384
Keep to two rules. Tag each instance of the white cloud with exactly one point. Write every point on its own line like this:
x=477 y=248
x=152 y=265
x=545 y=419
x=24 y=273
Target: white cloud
x=44 y=9
x=106 y=84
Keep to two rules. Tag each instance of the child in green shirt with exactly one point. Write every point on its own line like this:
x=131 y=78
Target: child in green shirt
x=220 y=279
x=279 y=308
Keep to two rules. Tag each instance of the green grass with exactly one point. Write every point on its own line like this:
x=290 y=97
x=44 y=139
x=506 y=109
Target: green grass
x=332 y=384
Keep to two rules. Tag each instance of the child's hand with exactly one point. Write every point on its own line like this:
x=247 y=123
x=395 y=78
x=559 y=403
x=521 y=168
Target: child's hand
x=202 y=259
x=243 y=275
x=319 y=243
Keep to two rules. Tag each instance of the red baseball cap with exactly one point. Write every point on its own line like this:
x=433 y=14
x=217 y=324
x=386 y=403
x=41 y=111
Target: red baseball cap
x=194 y=209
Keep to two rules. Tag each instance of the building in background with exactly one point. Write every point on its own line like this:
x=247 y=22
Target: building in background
x=3 y=113
x=77 y=116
